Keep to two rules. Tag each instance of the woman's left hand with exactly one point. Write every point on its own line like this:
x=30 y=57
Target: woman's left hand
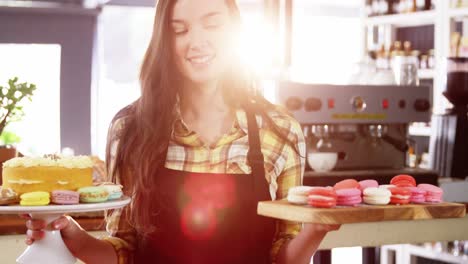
x=305 y=244
x=314 y=230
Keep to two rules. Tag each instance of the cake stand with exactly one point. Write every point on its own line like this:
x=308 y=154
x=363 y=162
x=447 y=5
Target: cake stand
x=52 y=249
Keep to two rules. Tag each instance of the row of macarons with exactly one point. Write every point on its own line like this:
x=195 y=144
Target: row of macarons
x=91 y=194
x=401 y=190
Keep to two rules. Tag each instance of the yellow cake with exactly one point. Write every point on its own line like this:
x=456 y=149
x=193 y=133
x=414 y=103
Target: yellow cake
x=46 y=174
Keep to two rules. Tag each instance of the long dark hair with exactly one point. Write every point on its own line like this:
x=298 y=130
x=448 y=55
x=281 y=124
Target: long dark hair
x=144 y=138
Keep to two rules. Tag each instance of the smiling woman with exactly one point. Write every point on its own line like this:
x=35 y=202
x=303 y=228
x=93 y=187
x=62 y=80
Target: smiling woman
x=196 y=152
x=203 y=45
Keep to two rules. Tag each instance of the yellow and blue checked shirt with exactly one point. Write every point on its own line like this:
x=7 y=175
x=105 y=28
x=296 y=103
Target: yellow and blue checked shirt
x=284 y=169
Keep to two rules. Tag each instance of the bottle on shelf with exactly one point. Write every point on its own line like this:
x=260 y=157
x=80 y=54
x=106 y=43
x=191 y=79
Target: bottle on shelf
x=401 y=6
x=384 y=7
x=382 y=58
x=413 y=6
x=459 y=3
x=405 y=64
x=415 y=54
x=407 y=48
x=428 y=4
x=369 y=10
x=395 y=50
x=405 y=6
x=395 y=6
x=455 y=44
x=423 y=62
x=431 y=59
x=376 y=7
x=422 y=5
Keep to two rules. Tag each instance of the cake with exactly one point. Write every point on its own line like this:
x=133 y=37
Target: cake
x=27 y=174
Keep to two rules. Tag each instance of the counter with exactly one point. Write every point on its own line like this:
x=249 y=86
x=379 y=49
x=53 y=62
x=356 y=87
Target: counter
x=397 y=232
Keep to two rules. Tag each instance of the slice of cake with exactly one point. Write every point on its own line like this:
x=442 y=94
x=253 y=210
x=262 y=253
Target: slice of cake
x=48 y=173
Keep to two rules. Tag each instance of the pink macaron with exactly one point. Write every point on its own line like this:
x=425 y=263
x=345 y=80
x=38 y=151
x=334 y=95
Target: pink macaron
x=418 y=195
x=348 y=197
x=403 y=180
x=65 y=197
x=367 y=184
x=346 y=184
x=433 y=193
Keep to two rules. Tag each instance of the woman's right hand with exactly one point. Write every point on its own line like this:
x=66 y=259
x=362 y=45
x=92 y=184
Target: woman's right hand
x=72 y=233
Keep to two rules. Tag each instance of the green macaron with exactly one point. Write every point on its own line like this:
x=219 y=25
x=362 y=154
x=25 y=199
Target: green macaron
x=93 y=194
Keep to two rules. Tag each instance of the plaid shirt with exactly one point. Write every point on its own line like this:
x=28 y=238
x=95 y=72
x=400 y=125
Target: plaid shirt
x=283 y=166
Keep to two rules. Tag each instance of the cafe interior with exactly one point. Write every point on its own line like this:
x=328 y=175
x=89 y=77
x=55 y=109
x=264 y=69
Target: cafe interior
x=381 y=84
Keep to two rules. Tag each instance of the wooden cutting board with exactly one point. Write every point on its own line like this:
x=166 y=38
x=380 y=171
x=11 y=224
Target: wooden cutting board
x=362 y=213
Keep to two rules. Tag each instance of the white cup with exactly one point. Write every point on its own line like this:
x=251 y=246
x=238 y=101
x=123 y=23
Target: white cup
x=322 y=161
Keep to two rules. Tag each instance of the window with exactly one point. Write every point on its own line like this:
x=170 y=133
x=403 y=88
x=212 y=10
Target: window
x=124 y=34
x=39 y=129
x=327 y=41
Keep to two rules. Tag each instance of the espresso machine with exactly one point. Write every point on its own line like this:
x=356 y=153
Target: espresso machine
x=449 y=146
x=367 y=126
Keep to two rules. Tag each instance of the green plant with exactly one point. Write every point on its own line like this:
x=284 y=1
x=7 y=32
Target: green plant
x=11 y=97
x=9 y=138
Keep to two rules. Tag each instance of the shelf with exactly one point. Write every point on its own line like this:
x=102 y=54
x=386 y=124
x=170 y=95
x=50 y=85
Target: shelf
x=426 y=74
x=458 y=12
x=414 y=250
x=421 y=18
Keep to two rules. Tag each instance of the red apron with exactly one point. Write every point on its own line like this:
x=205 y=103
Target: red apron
x=212 y=218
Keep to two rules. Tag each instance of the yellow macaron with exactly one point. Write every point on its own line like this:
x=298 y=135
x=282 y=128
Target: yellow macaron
x=35 y=198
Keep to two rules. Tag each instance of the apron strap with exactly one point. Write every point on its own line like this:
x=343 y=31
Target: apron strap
x=262 y=228
x=255 y=155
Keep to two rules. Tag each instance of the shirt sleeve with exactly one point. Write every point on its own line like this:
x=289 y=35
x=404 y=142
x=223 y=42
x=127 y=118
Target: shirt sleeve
x=121 y=234
x=292 y=175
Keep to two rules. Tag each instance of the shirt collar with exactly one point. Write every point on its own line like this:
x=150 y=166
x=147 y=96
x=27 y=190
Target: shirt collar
x=180 y=128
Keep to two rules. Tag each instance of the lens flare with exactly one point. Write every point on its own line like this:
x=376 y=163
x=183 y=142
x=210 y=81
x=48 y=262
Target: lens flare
x=207 y=195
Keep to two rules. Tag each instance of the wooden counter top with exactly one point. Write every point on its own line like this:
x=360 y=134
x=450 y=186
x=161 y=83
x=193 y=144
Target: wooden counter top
x=397 y=232
x=14 y=225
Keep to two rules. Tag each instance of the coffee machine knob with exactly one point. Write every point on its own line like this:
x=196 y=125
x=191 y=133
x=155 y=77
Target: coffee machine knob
x=294 y=103
x=422 y=105
x=313 y=104
x=358 y=103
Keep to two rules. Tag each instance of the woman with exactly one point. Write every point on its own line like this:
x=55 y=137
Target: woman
x=197 y=151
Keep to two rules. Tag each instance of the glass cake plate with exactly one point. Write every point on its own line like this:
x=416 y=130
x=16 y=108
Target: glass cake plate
x=52 y=249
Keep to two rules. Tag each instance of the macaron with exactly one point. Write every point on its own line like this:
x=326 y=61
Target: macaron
x=348 y=197
x=347 y=184
x=8 y=196
x=377 y=196
x=400 y=195
x=403 y=180
x=65 y=197
x=298 y=194
x=114 y=190
x=93 y=194
x=35 y=198
x=418 y=195
x=322 y=197
x=367 y=184
x=433 y=193
x=386 y=186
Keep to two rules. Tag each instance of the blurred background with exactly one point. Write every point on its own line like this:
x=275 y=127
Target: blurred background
x=319 y=44
x=84 y=57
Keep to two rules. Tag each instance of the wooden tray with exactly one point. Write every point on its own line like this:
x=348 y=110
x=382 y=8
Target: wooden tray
x=361 y=213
